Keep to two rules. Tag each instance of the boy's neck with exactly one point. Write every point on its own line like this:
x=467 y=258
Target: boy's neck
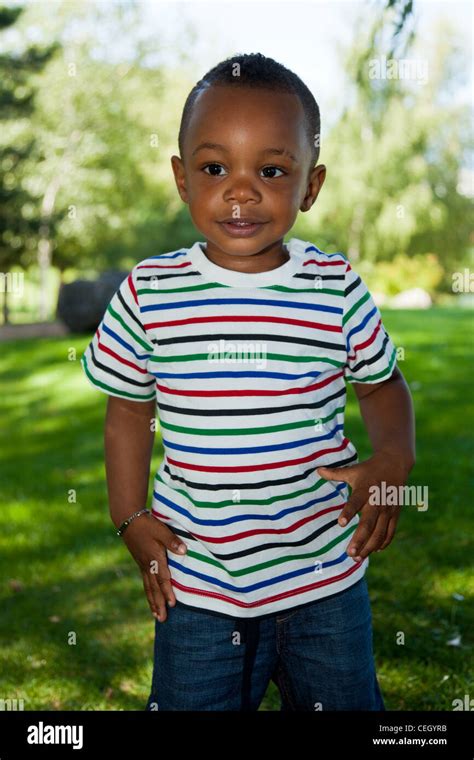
x=263 y=261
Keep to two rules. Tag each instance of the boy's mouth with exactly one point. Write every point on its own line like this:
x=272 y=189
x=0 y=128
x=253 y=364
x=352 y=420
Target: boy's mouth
x=242 y=227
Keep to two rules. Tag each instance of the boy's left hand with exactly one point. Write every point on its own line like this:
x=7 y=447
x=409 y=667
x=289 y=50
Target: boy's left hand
x=377 y=524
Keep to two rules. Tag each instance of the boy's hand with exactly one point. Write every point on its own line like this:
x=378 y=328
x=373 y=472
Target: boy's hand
x=377 y=524
x=147 y=540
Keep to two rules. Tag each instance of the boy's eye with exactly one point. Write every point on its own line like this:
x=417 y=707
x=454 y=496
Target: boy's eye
x=273 y=169
x=218 y=166
x=214 y=173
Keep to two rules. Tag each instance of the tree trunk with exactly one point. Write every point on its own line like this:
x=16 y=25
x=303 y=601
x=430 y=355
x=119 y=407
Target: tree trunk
x=44 y=263
x=5 y=309
x=45 y=245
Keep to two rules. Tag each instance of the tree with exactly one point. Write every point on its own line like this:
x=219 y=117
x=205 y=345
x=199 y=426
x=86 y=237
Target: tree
x=20 y=215
x=396 y=155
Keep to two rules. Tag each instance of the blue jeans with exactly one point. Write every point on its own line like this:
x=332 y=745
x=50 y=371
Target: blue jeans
x=320 y=656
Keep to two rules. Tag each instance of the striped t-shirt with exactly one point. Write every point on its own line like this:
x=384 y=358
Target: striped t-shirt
x=249 y=372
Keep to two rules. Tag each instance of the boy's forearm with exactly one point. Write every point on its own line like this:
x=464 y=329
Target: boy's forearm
x=128 y=444
x=388 y=415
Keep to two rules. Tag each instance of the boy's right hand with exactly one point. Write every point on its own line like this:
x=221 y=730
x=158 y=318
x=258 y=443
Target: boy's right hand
x=147 y=540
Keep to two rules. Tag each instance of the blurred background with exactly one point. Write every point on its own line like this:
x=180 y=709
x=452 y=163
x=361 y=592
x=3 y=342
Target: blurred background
x=91 y=95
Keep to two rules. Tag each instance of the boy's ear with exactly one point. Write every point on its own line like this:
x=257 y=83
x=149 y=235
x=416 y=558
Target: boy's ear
x=315 y=182
x=179 y=177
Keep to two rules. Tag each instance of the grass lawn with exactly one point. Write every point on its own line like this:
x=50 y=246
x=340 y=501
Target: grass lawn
x=76 y=631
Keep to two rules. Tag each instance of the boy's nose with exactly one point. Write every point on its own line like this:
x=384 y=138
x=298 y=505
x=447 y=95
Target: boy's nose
x=242 y=190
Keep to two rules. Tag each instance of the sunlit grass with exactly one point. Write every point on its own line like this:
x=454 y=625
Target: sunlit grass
x=64 y=574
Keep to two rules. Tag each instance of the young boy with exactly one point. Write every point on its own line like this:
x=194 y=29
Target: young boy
x=244 y=343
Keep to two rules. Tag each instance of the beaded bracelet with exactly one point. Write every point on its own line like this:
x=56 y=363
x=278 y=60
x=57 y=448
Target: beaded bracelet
x=127 y=522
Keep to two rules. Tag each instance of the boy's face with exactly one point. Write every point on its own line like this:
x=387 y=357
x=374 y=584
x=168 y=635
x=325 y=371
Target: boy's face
x=245 y=177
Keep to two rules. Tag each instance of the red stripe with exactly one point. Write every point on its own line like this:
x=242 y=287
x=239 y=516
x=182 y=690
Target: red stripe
x=276 y=320
x=366 y=343
x=257 y=467
x=107 y=350
x=269 y=599
x=261 y=532
x=324 y=263
x=231 y=393
x=164 y=266
x=132 y=288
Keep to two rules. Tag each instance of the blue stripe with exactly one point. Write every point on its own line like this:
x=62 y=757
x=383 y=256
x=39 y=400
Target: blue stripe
x=328 y=255
x=123 y=342
x=249 y=516
x=229 y=373
x=251 y=449
x=254 y=586
x=253 y=301
x=359 y=327
x=166 y=256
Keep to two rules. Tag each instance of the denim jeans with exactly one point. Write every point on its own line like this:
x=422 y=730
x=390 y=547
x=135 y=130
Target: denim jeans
x=319 y=655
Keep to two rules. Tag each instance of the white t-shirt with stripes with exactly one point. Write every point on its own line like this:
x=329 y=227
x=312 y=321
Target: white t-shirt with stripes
x=249 y=374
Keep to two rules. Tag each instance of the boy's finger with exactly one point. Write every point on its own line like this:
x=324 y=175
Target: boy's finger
x=149 y=594
x=363 y=531
x=354 y=504
x=374 y=540
x=170 y=540
x=159 y=595
x=160 y=571
x=343 y=474
x=390 y=532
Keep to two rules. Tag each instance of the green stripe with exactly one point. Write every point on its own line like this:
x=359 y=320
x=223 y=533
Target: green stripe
x=272 y=563
x=210 y=286
x=111 y=388
x=326 y=291
x=378 y=375
x=355 y=308
x=249 y=431
x=190 y=288
x=279 y=357
x=128 y=329
x=230 y=503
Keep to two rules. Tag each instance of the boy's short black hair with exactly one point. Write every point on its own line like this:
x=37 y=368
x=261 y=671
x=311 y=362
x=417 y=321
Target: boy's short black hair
x=257 y=71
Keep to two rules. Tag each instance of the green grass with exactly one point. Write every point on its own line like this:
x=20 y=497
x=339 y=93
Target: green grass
x=76 y=632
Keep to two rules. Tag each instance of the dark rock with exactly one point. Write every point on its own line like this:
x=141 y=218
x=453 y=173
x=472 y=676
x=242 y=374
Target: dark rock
x=82 y=303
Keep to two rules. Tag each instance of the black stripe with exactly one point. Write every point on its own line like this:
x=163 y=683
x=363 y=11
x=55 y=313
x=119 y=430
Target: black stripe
x=130 y=313
x=250 y=337
x=251 y=486
x=114 y=373
x=373 y=359
x=352 y=287
x=259 y=410
x=262 y=547
x=324 y=277
x=145 y=278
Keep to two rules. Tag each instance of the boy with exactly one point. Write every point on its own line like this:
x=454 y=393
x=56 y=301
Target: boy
x=245 y=344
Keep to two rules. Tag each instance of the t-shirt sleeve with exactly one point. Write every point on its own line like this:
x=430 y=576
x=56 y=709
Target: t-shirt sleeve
x=371 y=355
x=116 y=359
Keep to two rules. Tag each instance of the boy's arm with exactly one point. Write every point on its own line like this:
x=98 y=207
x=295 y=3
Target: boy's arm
x=128 y=444
x=387 y=411
x=128 y=440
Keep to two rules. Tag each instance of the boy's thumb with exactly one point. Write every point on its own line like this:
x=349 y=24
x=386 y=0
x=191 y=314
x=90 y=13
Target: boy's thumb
x=175 y=545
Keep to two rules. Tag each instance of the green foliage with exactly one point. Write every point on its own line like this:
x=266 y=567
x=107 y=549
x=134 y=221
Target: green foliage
x=394 y=159
x=19 y=209
x=92 y=159
x=403 y=273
